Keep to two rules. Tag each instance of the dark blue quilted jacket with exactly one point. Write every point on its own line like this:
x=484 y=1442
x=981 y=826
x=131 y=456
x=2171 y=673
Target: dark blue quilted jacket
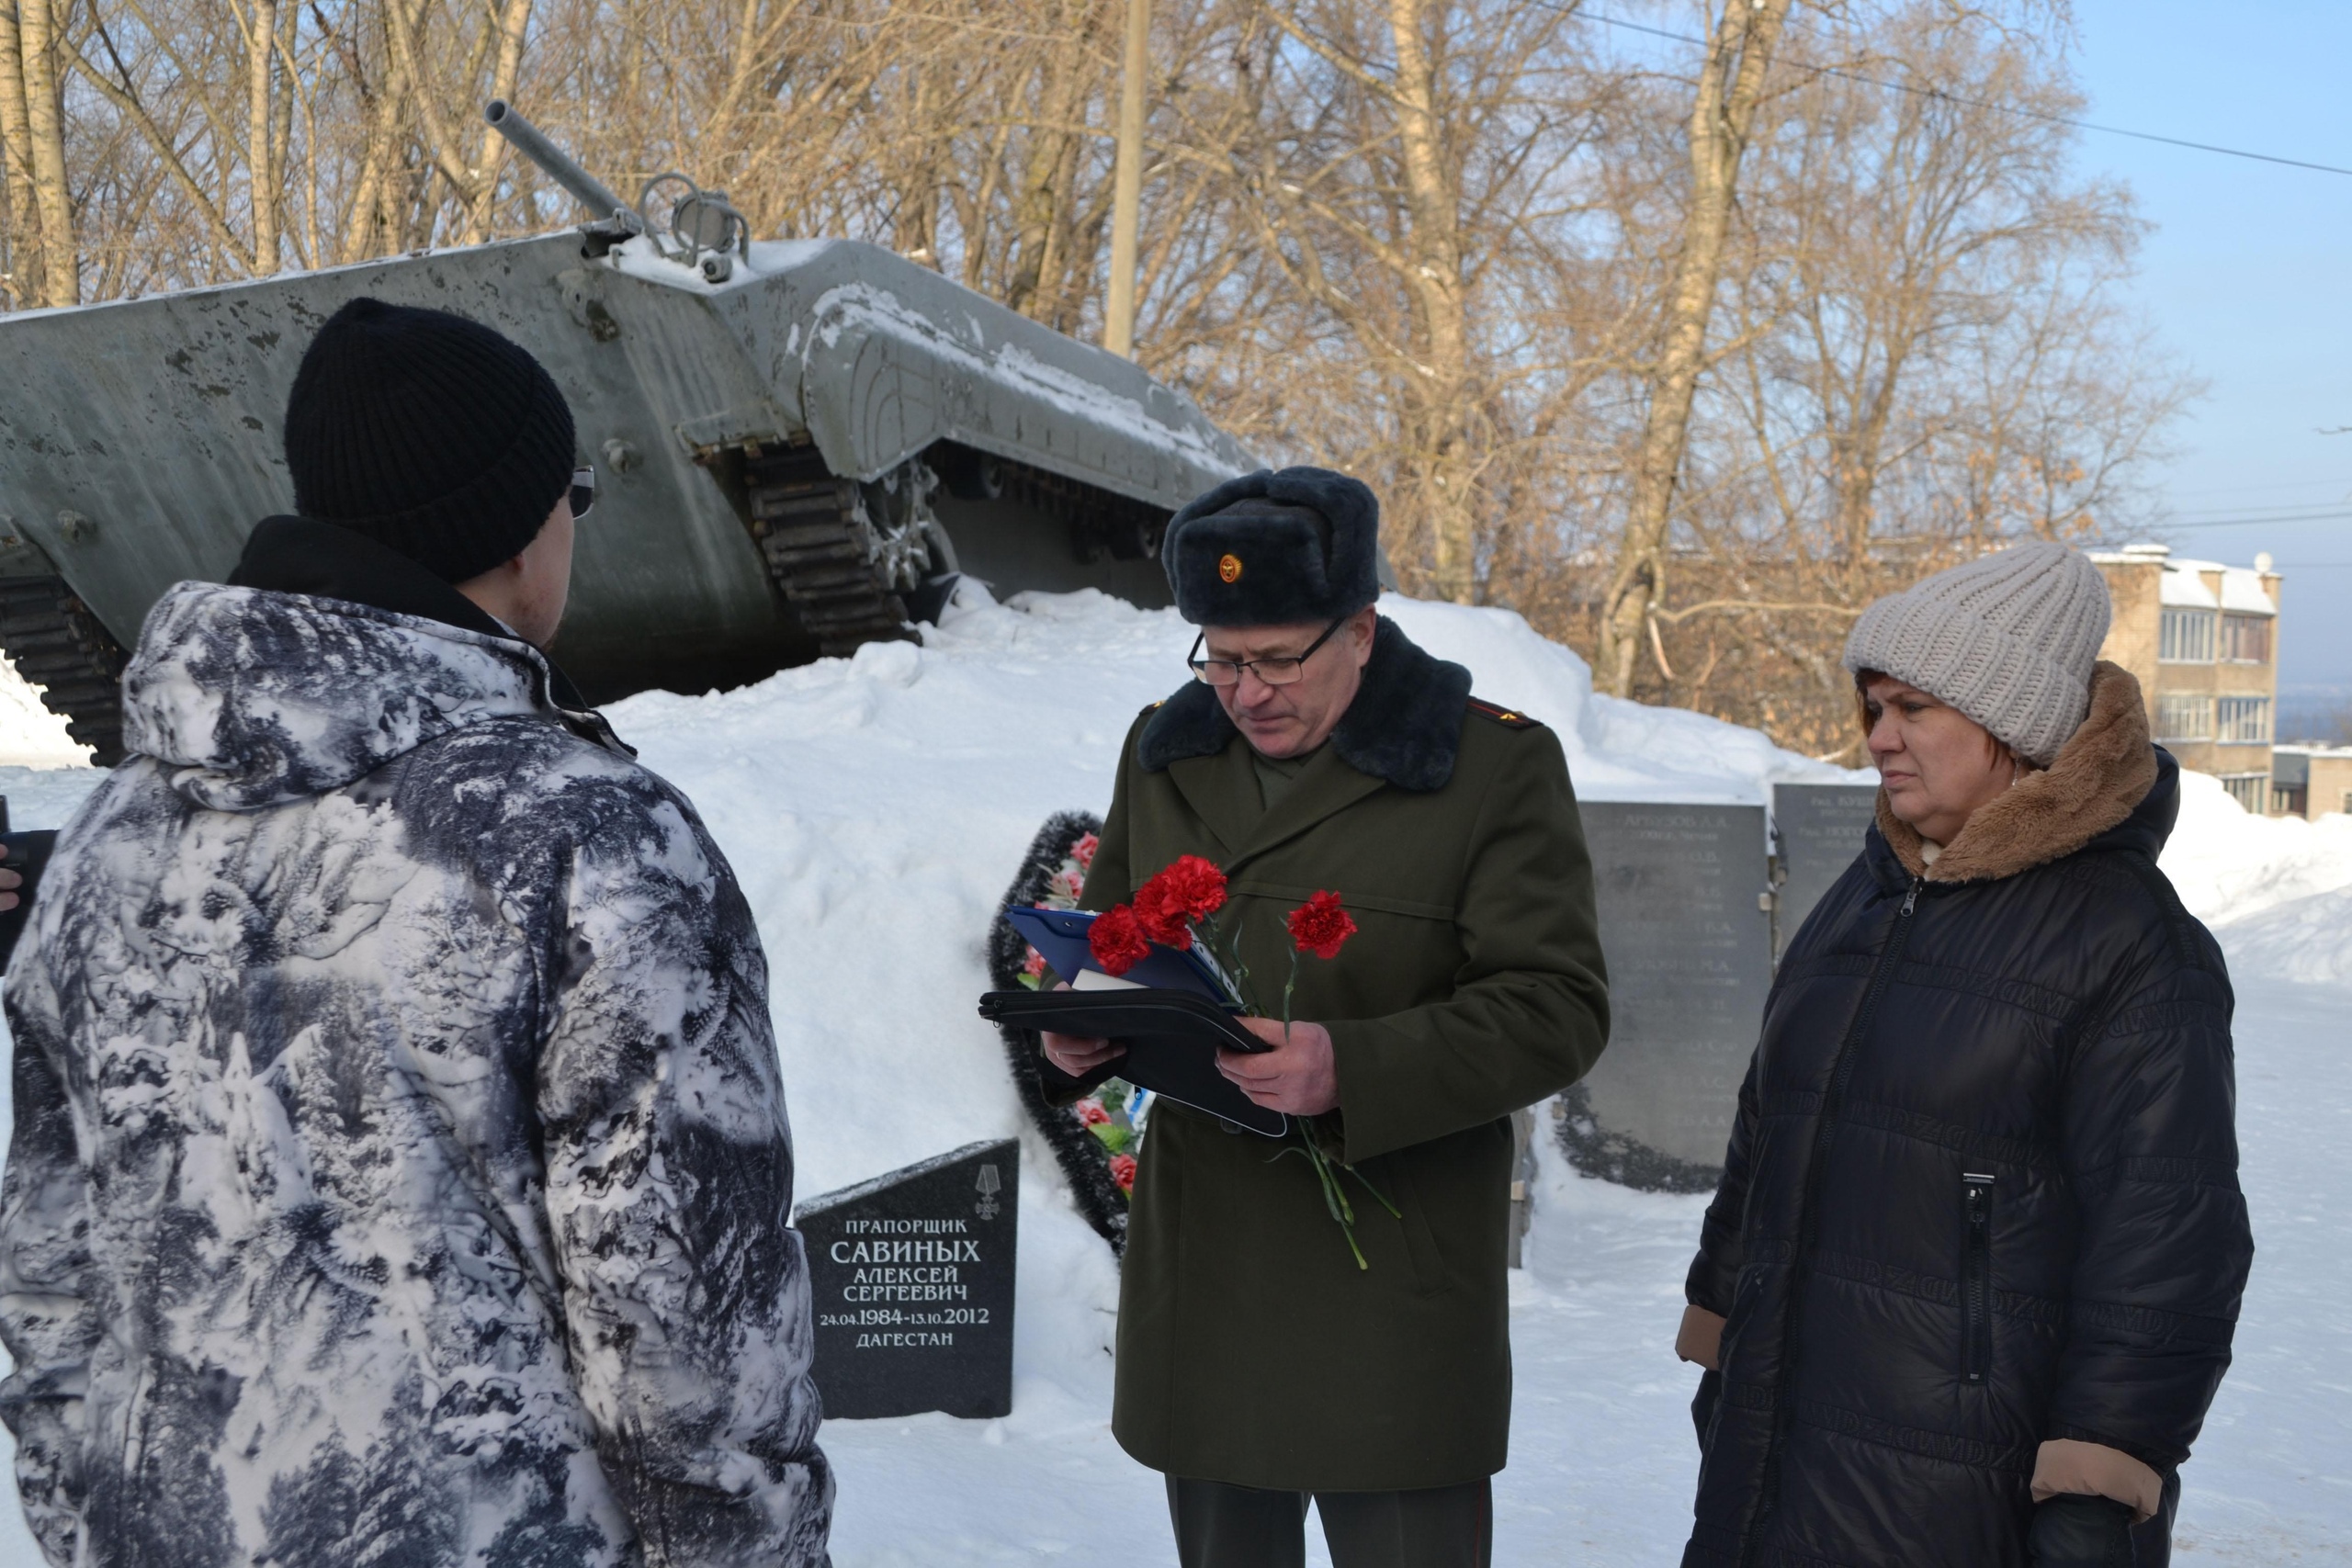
x=1982 y=1192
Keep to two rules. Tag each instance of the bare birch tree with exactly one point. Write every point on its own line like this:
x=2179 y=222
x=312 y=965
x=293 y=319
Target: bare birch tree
x=1731 y=85
x=39 y=48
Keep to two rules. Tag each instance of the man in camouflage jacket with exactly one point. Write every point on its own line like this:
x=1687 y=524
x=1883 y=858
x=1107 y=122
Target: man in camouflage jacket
x=401 y=1168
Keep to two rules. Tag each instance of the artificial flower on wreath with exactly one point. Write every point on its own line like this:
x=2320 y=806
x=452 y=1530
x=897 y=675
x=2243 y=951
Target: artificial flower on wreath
x=1063 y=889
x=1115 y=1114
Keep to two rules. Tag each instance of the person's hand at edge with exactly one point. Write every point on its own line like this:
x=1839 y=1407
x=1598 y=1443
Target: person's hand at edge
x=1700 y=1340
x=9 y=881
x=1297 y=1078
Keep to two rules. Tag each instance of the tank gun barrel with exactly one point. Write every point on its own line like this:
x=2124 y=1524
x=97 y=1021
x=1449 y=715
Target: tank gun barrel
x=585 y=187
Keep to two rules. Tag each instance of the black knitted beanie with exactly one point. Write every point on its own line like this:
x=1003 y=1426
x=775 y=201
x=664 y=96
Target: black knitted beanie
x=430 y=434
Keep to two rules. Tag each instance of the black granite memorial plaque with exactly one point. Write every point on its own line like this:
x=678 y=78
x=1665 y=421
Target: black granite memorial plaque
x=1819 y=829
x=1685 y=927
x=911 y=1280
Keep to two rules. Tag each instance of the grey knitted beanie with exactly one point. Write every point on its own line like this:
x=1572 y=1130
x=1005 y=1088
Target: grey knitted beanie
x=2008 y=639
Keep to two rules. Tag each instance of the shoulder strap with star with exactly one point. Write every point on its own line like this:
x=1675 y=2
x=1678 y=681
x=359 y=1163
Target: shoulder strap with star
x=1510 y=718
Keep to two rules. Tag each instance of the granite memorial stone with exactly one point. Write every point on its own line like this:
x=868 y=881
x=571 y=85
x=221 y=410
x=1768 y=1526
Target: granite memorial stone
x=1818 y=829
x=1686 y=926
x=911 y=1279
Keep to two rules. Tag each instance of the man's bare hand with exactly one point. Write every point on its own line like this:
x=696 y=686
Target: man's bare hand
x=8 y=880
x=1296 y=1077
x=1075 y=1053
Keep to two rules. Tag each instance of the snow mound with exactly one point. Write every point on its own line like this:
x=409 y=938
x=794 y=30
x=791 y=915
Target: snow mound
x=2230 y=866
x=2303 y=939
x=1617 y=750
x=31 y=735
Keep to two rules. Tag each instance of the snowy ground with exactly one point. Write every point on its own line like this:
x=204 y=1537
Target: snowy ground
x=896 y=790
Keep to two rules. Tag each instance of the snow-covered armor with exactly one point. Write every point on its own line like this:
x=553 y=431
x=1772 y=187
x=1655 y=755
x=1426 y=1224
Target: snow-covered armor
x=401 y=1170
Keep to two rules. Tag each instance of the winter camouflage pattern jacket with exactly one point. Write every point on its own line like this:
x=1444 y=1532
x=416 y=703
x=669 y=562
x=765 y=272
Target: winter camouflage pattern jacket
x=401 y=1170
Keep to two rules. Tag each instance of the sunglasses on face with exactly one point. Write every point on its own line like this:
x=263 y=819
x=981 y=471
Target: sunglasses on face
x=583 y=491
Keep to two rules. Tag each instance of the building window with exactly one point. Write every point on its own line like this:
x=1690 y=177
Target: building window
x=2244 y=721
x=2245 y=639
x=2184 y=718
x=2249 y=790
x=2185 y=636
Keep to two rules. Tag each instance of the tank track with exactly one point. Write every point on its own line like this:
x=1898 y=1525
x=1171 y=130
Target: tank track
x=1103 y=525
x=58 y=644
x=810 y=529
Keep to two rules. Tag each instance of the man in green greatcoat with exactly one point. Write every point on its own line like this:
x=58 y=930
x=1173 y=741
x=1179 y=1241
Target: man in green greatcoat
x=1317 y=749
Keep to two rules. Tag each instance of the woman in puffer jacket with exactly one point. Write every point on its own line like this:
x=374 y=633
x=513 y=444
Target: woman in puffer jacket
x=1969 y=1282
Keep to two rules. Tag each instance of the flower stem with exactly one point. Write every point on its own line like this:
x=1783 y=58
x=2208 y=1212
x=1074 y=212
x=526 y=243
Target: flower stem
x=1394 y=1211
x=1335 y=1198
x=1288 y=986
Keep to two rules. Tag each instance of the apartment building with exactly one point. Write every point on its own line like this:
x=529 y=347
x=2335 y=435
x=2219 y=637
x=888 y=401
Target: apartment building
x=2203 y=639
x=2310 y=780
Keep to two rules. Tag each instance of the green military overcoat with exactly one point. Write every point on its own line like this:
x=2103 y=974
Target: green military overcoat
x=1252 y=1350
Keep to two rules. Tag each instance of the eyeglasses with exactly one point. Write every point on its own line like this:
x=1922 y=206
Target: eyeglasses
x=1272 y=671
x=583 y=491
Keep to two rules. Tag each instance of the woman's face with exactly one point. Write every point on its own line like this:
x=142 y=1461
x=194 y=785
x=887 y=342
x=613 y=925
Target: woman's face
x=1937 y=765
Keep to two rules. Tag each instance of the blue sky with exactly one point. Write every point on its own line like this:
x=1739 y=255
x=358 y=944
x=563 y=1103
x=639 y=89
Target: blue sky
x=2248 y=276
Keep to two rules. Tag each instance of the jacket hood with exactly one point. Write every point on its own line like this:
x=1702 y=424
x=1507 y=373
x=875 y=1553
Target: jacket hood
x=1405 y=724
x=2109 y=784
x=255 y=699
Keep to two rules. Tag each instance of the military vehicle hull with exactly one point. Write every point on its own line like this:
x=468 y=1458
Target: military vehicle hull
x=789 y=462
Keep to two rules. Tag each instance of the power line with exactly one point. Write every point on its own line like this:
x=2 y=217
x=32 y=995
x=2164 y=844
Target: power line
x=1997 y=108
x=2193 y=524
x=2337 y=485
x=2287 y=512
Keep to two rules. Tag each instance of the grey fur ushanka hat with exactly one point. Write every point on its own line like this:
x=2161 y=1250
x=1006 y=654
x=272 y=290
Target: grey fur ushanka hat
x=2008 y=639
x=1275 y=547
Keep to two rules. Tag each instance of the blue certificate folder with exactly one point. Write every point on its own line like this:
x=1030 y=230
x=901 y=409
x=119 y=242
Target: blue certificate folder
x=1172 y=1022
x=1060 y=935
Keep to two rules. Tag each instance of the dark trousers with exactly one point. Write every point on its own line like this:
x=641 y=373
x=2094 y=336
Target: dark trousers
x=1223 y=1526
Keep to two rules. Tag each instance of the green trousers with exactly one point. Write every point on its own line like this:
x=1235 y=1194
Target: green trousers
x=1222 y=1526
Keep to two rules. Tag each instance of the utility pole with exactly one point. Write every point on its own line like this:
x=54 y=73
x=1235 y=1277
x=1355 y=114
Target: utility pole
x=1126 y=188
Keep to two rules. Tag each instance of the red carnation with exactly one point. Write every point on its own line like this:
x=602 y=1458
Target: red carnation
x=1192 y=889
x=1117 y=940
x=1162 y=921
x=1091 y=1111
x=1196 y=885
x=1122 y=1171
x=1319 y=926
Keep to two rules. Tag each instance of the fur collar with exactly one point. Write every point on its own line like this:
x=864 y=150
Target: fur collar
x=1403 y=726
x=2105 y=770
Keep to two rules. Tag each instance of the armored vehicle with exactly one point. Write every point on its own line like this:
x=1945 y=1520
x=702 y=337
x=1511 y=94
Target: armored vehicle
x=798 y=444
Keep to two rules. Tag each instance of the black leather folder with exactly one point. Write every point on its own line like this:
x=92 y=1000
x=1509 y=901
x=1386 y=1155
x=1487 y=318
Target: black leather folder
x=1172 y=1039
